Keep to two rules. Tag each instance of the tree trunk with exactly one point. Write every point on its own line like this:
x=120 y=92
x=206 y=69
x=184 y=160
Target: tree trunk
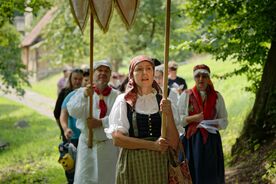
x=260 y=124
x=116 y=64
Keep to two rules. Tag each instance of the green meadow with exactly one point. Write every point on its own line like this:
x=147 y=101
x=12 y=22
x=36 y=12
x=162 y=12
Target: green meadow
x=47 y=86
x=32 y=154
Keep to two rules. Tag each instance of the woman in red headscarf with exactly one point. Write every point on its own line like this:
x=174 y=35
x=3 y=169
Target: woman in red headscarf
x=202 y=112
x=135 y=126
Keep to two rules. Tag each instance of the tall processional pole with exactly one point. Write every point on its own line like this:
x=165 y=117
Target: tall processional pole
x=166 y=59
x=101 y=11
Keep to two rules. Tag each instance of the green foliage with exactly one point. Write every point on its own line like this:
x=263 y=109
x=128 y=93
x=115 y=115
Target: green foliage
x=63 y=39
x=32 y=153
x=241 y=30
x=270 y=174
x=12 y=71
x=145 y=37
x=112 y=45
x=42 y=87
x=147 y=33
x=8 y=9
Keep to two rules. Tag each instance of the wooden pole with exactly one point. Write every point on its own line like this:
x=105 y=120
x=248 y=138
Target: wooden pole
x=90 y=131
x=166 y=58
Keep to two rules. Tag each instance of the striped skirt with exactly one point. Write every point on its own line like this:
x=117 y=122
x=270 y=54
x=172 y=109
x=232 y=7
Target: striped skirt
x=142 y=167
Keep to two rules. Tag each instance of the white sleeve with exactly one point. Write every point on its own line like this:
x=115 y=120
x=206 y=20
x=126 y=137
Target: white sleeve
x=77 y=105
x=182 y=107
x=176 y=117
x=110 y=102
x=173 y=96
x=221 y=112
x=118 y=120
x=105 y=121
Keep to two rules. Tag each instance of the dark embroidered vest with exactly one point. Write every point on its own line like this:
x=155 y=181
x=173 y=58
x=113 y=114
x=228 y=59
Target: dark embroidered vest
x=143 y=125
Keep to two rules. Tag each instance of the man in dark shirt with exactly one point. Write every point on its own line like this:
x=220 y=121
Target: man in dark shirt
x=175 y=81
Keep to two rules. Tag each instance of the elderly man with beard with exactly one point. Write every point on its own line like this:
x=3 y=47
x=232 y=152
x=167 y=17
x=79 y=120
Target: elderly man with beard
x=93 y=165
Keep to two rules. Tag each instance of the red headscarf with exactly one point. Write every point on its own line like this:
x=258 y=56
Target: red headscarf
x=131 y=88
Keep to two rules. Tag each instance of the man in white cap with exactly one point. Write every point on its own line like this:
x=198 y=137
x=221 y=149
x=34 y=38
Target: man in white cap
x=94 y=164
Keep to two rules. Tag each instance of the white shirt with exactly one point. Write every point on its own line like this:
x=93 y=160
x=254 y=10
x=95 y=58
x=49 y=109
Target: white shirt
x=78 y=107
x=92 y=165
x=173 y=96
x=146 y=104
x=221 y=113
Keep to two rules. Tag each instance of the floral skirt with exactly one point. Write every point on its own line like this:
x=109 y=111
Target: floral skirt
x=142 y=167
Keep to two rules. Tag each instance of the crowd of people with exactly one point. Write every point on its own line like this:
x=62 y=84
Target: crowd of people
x=128 y=147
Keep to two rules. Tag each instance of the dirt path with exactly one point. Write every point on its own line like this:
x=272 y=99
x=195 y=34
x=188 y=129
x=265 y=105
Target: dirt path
x=35 y=101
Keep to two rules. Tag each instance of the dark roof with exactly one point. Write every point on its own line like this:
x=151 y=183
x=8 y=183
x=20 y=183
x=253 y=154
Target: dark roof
x=34 y=34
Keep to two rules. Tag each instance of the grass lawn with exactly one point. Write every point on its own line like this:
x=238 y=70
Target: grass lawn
x=32 y=154
x=47 y=86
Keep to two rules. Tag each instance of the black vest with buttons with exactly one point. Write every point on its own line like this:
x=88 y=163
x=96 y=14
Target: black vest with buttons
x=146 y=126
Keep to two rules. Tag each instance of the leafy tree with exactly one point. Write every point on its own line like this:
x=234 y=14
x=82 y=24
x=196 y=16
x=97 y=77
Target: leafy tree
x=8 y=9
x=148 y=33
x=243 y=31
x=113 y=44
x=145 y=37
x=69 y=45
x=12 y=71
x=63 y=39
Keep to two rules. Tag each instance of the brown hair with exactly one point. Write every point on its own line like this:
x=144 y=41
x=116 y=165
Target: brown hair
x=69 y=84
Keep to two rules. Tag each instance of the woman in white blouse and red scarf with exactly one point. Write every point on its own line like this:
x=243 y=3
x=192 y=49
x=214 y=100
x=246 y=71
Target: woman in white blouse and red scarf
x=202 y=113
x=135 y=126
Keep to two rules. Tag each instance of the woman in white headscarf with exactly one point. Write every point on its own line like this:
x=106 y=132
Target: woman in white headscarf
x=202 y=112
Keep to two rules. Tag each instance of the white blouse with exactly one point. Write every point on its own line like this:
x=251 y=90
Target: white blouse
x=78 y=107
x=221 y=112
x=146 y=104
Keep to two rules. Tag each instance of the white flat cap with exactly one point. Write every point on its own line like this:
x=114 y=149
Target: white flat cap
x=102 y=63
